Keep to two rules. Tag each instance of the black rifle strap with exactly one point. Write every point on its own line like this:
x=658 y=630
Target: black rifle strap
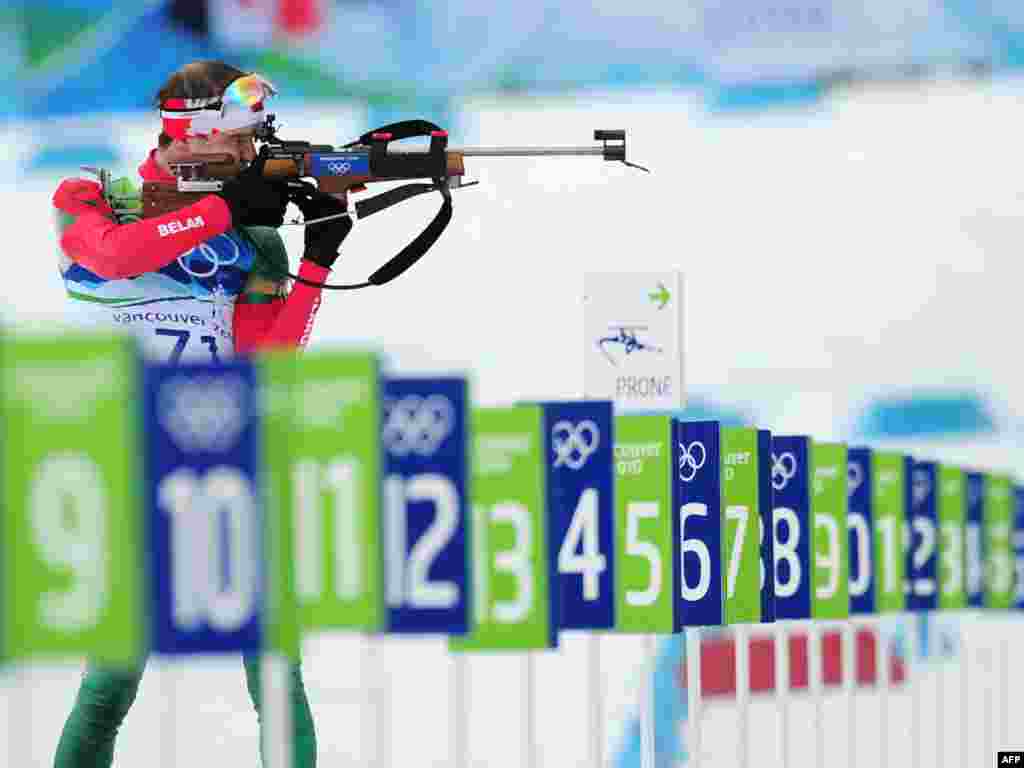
x=423 y=241
x=377 y=203
x=404 y=129
x=411 y=253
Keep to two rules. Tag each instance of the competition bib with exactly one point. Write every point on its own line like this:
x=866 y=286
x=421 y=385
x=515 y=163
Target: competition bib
x=180 y=313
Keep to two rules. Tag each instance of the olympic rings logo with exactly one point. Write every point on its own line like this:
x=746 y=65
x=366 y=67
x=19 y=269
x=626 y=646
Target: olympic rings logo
x=417 y=425
x=339 y=168
x=689 y=463
x=783 y=469
x=854 y=477
x=921 y=486
x=573 y=444
x=204 y=413
x=209 y=253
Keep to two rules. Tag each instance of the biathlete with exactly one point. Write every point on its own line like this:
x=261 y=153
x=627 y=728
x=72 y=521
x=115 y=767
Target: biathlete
x=199 y=283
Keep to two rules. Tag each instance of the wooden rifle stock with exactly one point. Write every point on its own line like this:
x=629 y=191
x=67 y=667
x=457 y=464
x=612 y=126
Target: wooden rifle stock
x=164 y=197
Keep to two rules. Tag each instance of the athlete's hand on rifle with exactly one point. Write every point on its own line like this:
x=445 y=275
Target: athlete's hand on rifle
x=255 y=201
x=324 y=238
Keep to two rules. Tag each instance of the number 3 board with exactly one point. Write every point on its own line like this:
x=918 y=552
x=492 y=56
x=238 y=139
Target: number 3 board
x=512 y=605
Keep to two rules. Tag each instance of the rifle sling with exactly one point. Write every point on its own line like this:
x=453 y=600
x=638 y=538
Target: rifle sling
x=412 y=252
x=424 y=240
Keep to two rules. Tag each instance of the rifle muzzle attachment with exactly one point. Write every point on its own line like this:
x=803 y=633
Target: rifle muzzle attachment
x=614 y=146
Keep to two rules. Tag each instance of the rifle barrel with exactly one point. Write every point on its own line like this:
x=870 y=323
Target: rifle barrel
x=515 y=151
x=530 y=151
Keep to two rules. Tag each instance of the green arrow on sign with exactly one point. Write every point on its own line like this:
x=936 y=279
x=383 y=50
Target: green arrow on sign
x=661 y=296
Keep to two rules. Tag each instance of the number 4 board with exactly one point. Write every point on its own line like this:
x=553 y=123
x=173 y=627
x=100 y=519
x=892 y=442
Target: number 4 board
x=579 y=436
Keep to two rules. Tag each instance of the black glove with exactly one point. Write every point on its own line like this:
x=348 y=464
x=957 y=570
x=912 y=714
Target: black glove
x=324 y=238
x=255 y=201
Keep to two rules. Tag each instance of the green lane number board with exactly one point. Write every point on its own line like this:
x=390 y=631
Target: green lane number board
x=512 y=607
x=741 y=525
x=830 y=596
x=643 y=524
x=889 y=502
x=281 y=631
x=952 y=522
x=71 y=542
x=999 y=575
x=335 y=483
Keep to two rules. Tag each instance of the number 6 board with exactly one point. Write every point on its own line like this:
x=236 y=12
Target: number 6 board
x=721 y=523
x=71 y=582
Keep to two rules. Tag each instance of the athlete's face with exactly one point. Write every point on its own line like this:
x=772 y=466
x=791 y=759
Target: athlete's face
x=239 y=144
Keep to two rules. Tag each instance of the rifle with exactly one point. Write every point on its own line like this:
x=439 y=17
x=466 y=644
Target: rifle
x=350 y=168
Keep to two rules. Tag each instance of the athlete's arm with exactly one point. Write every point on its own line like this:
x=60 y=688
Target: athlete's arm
x=266 y=321
x=263 y=320
x=113 y=251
